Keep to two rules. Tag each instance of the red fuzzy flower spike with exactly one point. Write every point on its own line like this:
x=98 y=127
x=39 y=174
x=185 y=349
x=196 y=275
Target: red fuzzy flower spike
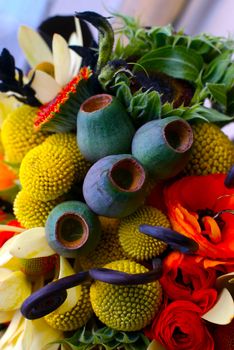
x=60 y=104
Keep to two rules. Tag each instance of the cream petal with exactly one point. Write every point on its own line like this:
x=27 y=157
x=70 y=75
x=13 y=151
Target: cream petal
x=223 y=311
x=226 y=281
x=15 y=326
x=37 y=334
x=62 y=60
x=36 y=247
x=14 y=289
x=45 y=86
x=75 y=66
x=34 y=47
x=65 y=270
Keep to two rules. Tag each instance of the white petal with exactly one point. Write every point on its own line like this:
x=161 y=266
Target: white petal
x=31 y=244
x=45 y=86
x=62 y=60
x=78 y=32
x=34 y=47
x=223 y=311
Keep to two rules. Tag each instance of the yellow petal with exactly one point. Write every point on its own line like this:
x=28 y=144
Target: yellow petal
x=62 y=60
x=223 y=311
x=155 y=345
x=45 y=86
x=34 y=47
x=14 y=289
x=31 y=244
x=6 y=316
x=38 y=334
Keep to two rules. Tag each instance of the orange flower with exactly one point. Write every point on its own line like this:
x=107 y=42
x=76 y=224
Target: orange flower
x=195 y=205
x=7 y=177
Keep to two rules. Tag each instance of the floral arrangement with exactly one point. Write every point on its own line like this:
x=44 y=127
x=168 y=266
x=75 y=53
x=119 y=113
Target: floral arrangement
x=117 y=191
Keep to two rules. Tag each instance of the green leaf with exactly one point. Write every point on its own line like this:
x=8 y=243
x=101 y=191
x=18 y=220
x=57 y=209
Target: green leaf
x=187 y=62
x=124 y=95
x=212 y=115
x=216 y=69
x=218 y=93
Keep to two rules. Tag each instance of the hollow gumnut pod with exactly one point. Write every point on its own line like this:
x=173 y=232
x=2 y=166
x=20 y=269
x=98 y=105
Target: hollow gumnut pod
x=115 y=186
x=162 y=146
x=72 y=229
x=103 y=128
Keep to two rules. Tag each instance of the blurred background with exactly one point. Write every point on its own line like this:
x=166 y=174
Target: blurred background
x=194 y=16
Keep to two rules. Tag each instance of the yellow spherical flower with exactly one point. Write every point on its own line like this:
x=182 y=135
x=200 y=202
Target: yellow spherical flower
x=136 y=244
x=47 y=172
x=125 y=307
x=108 y=248
x=31 y=212
x=212 y=152
x=68 y=141
x=18 y=134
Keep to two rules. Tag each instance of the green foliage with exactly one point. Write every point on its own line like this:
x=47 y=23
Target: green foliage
x=105 y=339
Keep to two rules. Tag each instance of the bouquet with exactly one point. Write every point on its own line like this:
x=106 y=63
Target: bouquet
x=117 y=191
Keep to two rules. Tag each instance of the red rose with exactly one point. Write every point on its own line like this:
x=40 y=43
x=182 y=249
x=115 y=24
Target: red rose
x=180 y=327
x=184 y=278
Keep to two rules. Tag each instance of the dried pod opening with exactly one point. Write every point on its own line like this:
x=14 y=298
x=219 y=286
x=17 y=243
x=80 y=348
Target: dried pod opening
x=72 y=231
x=95 y=103
x=127 y=175
x=178 y=135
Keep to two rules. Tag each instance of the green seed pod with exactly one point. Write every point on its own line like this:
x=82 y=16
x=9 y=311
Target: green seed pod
x=103 y=128
x=162 y=146
x=115 y=186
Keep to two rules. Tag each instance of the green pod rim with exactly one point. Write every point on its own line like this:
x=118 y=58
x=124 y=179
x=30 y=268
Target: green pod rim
x=71 y=229
x=178 y=135
x=96 y=103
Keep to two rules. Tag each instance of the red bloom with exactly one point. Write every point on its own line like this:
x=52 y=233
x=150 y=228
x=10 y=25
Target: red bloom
x=5 y=235
x=193 y=203
x=179 y=326
x=186 y=279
